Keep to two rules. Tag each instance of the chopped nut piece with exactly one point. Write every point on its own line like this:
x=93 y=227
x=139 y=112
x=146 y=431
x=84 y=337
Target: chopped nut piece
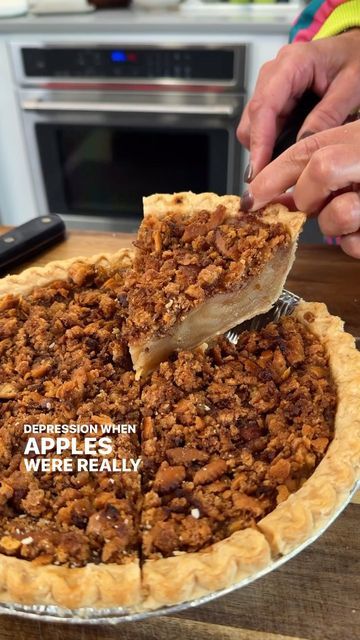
x=7 y=391
x=280 y=470
x=168 y=478
x=210 y=472
x=148 y=428
x=209 y=275
x=9 y=545
x=157 y=240
x=184 y=456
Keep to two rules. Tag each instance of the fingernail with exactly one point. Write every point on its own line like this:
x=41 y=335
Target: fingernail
x=306 y=134
x=247 y=201
x=248 y=173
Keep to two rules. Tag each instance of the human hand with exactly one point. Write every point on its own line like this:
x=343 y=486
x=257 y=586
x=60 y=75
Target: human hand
x=330 y=67
x=325 y=169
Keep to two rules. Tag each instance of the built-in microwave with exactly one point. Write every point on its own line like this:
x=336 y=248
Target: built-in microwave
x=106 y=125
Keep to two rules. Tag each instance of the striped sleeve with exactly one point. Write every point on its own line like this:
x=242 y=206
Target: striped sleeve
x=345 y=16
x=324 y=18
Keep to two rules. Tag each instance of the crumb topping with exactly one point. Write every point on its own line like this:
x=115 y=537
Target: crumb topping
x=230 y=433
x=180 y=262
x=64 y=360
x=225 y=434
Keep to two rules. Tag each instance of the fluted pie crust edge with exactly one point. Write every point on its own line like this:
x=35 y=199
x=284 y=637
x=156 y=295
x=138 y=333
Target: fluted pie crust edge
x=187 y=576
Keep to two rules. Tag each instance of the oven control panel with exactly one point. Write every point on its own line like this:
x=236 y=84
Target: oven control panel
x=221 y=65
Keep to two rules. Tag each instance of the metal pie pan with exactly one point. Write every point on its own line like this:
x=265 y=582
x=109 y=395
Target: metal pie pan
x=88 y=615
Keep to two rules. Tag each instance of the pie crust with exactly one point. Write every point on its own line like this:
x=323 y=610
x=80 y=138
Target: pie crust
x=220 y=311
x=186 y=576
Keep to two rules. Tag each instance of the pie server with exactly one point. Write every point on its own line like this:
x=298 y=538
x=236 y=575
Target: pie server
x=283 y=306
x=293 y=123
x=28 y=239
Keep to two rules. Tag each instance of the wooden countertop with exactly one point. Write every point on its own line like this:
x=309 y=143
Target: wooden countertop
x=315 y=596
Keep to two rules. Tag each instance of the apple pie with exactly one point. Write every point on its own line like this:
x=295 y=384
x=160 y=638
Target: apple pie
x=246 y=450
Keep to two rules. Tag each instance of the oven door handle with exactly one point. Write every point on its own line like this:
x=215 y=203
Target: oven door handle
x=109 y=107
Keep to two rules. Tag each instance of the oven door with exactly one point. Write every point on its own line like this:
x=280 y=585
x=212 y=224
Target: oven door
x=94 y=155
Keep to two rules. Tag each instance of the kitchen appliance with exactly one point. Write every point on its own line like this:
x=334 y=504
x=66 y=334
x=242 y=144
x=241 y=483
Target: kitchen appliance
x=110 y=4
x=107 y=124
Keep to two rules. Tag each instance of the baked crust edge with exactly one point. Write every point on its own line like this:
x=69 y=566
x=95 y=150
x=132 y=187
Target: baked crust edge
x=24 y=282
x=313 y=507
x=188 y=204
x=187 y=576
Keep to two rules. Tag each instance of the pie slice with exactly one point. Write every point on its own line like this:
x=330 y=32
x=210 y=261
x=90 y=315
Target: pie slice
x=201 y=267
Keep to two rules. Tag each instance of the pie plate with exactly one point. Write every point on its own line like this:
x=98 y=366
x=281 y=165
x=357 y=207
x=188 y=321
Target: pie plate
x=52 y=613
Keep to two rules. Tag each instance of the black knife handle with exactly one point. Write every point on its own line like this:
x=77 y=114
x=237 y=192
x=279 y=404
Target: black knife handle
x=294 y=122
x=29 y=239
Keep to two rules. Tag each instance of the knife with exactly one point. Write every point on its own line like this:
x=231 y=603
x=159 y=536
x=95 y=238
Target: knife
x=288 y=134
x=29 y=239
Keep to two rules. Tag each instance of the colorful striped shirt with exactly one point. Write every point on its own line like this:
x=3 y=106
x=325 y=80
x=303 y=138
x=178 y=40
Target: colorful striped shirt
x=324 y=18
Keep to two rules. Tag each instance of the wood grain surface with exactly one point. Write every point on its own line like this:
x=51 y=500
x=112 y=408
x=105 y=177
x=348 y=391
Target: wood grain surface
x=314 y=596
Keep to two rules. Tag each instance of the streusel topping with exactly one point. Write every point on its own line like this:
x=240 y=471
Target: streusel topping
x=64 y=360
x=225 y=433
x=180 y=262
x=229 y=433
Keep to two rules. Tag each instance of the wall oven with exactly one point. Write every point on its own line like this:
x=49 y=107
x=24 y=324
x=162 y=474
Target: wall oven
x=106 y=125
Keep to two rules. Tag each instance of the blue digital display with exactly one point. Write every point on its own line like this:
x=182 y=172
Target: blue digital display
x=118 y=56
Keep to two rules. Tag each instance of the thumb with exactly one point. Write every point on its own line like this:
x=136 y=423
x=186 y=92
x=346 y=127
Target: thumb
x=340 y=99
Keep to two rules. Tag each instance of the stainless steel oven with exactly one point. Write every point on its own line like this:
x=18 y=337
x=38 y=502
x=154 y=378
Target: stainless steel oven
x=106 y=125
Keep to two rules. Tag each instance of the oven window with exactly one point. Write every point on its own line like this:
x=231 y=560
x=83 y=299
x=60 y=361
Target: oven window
x=107 y=170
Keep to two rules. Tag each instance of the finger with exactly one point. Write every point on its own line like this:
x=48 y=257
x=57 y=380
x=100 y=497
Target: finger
x=341 y=216
x=263 y=133
x=340 y=99
x=351 y=244
x=250 y=138
x=284 y=171
x=243 y=130
x=280 y=83
x=329 y=169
